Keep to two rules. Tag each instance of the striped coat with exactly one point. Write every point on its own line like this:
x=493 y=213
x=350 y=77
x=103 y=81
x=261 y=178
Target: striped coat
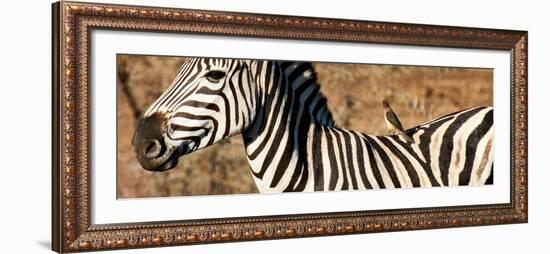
x=309 y=153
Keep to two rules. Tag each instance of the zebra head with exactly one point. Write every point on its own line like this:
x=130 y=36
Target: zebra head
x=209 y=100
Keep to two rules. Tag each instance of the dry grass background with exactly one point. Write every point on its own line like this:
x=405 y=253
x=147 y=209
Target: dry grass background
x=354 y=93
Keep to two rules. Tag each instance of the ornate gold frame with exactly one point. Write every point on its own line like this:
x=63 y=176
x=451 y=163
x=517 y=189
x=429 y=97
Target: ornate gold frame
x=71 y=226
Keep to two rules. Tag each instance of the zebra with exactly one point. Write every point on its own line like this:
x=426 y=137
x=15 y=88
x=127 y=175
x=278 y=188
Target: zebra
x=291 y=139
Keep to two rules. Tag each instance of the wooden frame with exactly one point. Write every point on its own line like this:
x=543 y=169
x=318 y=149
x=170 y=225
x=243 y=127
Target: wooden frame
x=71 y=225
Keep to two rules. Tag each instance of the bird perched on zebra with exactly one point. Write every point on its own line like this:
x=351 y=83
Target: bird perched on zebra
x=290 y=138
x=393 y=123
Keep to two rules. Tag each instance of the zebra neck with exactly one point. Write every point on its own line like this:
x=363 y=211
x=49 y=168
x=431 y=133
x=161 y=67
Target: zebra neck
x=291 y=103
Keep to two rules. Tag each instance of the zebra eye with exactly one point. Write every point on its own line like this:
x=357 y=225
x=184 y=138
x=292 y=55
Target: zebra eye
x=214 y=76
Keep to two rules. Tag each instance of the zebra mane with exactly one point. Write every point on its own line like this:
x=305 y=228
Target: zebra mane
x=320 y=112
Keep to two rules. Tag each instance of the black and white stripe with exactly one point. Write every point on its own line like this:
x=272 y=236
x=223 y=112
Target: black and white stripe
x=293 y=144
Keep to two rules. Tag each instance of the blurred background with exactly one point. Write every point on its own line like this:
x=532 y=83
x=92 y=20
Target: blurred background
x=354 y=93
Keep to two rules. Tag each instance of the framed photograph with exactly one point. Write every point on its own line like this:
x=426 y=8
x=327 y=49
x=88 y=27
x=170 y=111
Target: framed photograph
x=176 y=126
